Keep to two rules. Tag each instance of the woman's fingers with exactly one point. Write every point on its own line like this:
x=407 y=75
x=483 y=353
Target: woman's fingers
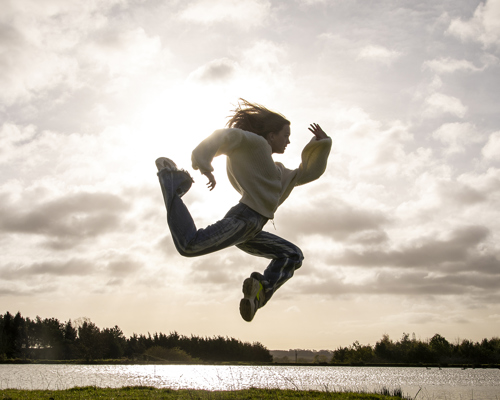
x=317 y=131
x=211 y=180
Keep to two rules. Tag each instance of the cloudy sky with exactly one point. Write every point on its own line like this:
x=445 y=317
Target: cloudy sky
x=401 y=234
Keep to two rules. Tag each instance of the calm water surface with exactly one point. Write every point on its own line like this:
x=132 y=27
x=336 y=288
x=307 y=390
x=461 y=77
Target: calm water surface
x=435 y=384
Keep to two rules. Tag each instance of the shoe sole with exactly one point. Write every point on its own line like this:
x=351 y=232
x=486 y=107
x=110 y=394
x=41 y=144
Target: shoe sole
x=246 y=310
x=251 y=287
x=165 y=163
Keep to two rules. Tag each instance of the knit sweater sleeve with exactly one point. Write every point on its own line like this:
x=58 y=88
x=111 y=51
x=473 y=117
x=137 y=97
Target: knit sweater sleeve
x=314 y=159
x=222 y=141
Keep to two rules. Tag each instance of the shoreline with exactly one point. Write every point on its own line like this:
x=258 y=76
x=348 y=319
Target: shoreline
x=236 y=363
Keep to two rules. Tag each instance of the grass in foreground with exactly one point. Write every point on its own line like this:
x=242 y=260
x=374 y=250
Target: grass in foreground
x=146 y=392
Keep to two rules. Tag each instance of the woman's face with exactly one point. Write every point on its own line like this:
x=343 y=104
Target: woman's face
x=278 y=141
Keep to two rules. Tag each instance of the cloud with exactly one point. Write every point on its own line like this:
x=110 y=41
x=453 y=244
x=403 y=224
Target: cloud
x=382 y=282
x=426 y=318
x=38 y=55
x=56 y=8
x=457 y=136
x=425 y=253
x=464 y=279
x=217 y=71
x=12 y=137
x=28 y=70
x=450 y=65
x=483 y=27
x=65 y=221
x=312 y=2
x=376 y=149
x=244 y=14
x=72 y=267
x=260 y=71
x=379 y=54
x=486 y=183
x=437 y=104
x=123 y=266
x=337 y=219
x=438 y=199
x=491 y=151
x=57 y=275
x=121 y=52
x=457 y=193
x=224 y=270
x=70 y=52
x=265 y=56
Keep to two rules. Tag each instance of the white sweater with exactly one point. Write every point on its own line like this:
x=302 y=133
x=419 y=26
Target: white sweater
x=262 y=183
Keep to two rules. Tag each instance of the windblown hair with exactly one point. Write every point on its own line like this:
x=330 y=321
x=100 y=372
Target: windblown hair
x=255 y=118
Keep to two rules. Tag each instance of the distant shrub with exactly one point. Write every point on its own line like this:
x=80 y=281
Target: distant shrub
x=158 y=353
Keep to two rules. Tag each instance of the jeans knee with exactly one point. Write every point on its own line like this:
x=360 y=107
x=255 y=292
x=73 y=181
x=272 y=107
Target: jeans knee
x=186 y=251
x=298 y=257
x=187 y=254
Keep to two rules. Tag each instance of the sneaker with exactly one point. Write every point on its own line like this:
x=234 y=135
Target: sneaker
x=253 y=298
x=183 y=178
x=165 y=163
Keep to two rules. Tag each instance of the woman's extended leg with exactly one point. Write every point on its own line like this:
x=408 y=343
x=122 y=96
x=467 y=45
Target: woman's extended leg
x=285 y=256
x=238 y=225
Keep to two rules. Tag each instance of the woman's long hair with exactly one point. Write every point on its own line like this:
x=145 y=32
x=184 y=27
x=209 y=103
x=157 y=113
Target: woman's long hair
x=255 y=118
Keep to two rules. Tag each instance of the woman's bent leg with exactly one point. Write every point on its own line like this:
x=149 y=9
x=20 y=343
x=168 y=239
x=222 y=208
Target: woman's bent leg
x=180 y=222
x=238 y=225
x=285 y=256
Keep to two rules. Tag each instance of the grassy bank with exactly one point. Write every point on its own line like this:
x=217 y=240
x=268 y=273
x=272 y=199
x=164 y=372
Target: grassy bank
x=144 y=392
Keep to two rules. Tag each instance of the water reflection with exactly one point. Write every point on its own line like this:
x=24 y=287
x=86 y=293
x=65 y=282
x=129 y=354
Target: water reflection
x=433 y=384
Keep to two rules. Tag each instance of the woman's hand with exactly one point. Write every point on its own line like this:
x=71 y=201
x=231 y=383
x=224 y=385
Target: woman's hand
x=318 y=132
x=211 y=180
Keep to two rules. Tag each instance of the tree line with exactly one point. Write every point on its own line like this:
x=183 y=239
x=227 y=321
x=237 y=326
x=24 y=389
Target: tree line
x=436 y=350
x=51 y=339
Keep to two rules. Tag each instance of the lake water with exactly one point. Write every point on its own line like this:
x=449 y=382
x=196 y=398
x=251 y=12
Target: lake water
x=435 y=384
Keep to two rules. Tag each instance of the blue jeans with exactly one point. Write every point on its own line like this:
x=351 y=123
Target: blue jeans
x=240 y=227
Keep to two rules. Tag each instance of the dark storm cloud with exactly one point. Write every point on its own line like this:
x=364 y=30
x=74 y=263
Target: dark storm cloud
x=335 y=219
x=66 y=220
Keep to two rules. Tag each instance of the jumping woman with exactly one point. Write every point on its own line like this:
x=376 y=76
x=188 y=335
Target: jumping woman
x=252 y=135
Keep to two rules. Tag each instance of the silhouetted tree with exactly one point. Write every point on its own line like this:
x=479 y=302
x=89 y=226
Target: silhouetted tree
x=113 y=342
x=440 y=346
x=421 y=353
x=89 y=341
x=384 y=349
x=70 y=335
x=355 y=354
